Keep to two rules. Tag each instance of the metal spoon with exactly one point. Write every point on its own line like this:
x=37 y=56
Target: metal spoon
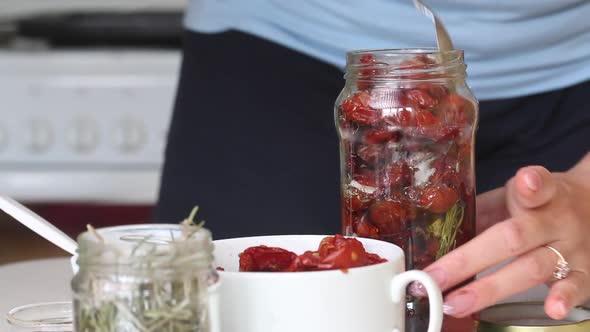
x=442 y=35
x=37 y=224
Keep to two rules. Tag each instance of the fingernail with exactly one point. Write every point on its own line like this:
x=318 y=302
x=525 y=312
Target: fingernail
x=439 y=275
x=533 y=180
x=417 y=289
x=560 y=308
x=447 y=309
x=459 y=303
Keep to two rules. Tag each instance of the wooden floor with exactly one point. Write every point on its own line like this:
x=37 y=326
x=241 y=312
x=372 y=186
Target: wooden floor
x=18 y=243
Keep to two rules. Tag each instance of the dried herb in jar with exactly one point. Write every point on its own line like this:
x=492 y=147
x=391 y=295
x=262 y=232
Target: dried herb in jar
x=144 y=278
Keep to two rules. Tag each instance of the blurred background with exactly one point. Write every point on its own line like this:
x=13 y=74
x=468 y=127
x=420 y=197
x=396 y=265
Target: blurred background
x=86 y=91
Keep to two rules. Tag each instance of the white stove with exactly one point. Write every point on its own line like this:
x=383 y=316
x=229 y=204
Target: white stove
x=18 y=8
x=84 y=124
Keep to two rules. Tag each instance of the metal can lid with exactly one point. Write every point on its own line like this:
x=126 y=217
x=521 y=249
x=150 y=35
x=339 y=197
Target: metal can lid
x=530 y=317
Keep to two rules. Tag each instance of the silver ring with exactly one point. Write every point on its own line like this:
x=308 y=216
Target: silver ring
x=562 y=268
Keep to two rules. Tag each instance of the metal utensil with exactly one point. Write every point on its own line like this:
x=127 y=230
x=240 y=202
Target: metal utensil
x=37 y=224
x=442 y=35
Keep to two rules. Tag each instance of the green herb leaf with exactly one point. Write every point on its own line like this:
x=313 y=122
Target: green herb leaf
x=447 y=229
x=435 y=229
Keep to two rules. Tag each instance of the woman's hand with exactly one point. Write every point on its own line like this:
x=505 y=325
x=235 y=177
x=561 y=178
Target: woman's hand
x=535 y=208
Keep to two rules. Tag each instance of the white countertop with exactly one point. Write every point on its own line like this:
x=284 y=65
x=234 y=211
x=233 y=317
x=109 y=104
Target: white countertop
x=48 y=280
x=32 y=282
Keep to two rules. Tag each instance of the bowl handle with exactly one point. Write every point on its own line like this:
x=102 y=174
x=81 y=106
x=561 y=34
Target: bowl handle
x=400 y=282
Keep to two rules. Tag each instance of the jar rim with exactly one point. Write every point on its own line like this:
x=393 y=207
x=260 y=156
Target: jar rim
x=404 y=64
x=45 y=316
x=407 y=51
x=138 y=245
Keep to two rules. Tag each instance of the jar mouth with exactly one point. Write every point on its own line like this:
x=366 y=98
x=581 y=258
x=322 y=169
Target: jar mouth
x=145 y=246
x=407 y=51
x=424 y=64
x=45 y=317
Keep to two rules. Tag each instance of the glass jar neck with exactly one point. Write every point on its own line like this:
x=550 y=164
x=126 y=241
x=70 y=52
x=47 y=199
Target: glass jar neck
x=142 y=249
x=396 y=65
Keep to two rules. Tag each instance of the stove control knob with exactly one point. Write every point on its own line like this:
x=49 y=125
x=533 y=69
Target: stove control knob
x=82 y=135
x=39 y=136
x=130 y=135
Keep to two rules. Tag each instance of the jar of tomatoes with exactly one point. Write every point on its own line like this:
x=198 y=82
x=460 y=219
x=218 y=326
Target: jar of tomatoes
x=406 y=120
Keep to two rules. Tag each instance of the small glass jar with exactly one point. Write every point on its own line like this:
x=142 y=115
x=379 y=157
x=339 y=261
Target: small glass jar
x=144 y=278
x=41 y=317
x=406 y=121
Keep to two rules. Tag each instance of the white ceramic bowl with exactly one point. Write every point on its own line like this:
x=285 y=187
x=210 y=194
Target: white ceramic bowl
x=367 y=299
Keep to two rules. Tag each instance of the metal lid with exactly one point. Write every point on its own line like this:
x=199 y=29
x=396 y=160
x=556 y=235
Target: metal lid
x=530 y=317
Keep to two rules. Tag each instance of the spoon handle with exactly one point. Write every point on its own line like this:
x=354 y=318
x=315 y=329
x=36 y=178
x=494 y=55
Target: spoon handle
x=442 y=35
x=37 y=224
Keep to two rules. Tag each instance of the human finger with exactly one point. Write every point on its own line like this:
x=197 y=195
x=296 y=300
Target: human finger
x=498 y=243
x=525 y=272
x=567 y=293
x=532 y=187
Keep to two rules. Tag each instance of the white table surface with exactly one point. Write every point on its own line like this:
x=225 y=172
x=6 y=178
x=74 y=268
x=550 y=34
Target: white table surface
x=48 y=280
x=35 y=281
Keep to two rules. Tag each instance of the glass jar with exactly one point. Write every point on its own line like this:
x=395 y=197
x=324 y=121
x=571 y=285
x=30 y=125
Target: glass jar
x=41 y=317
x=406 y=121
x=145 y=278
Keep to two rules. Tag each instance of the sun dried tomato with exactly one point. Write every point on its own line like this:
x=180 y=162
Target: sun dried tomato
x=360 y=192
x=437 y=91
x=439 y=198
x=365 y=75
x=390 y=217
x=334 y=252
x=328 y=244
x=401 y=241
x=338 y=252
x=417 y=63
x=422 y=97
x=370 y=154
x=366 y=177
x=403 y=117
x=356 y=109
x=425 y=253
x=365 y=229
x=445 y=172
x=399 y=174
x=436 y=133
x=357 y=200
x=375 y=136
x=266 y=259
x=411 y=115
x=308 y=261
x=455 y=110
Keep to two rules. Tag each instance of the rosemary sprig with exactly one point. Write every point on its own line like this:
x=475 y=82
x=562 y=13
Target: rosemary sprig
x=93 y=231
x=446 y=230
x=188 y=225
